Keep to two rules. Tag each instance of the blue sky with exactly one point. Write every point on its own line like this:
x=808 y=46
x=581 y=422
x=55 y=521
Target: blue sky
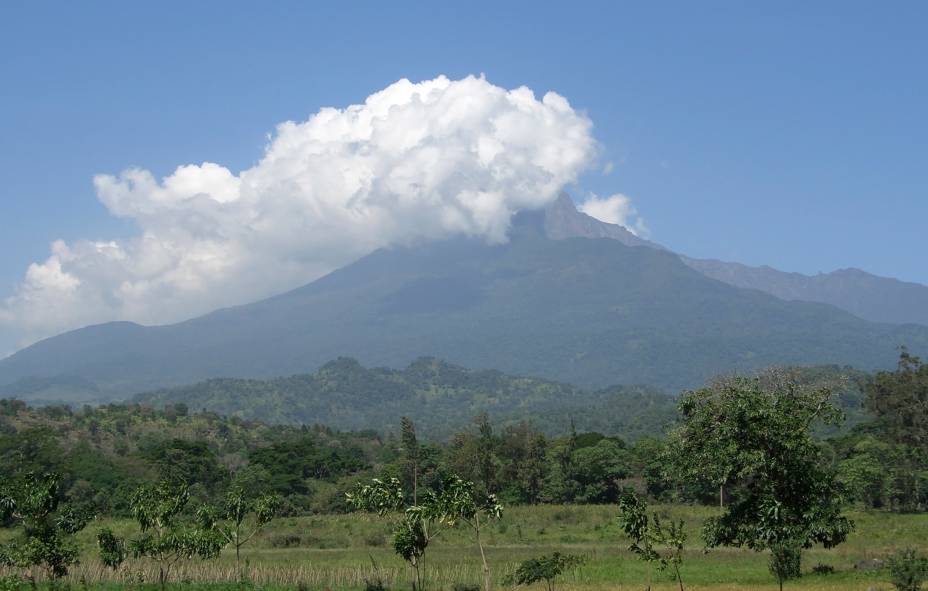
x=788 y=134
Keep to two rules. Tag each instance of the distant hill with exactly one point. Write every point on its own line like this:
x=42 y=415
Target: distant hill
x=441 y=398
x=590 y=312
x=879 y=299
x=874 y=298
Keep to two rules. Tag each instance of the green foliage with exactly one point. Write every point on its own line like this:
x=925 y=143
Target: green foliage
x=33 y=504
x=908 y=568
x=165 y=536
x=755 y=435
x=240 y=517
x=899 y=400
x=112 y=548
x=544 y=568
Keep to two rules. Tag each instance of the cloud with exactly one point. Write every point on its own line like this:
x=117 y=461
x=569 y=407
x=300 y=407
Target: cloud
x=615 y=209
x=415 y=162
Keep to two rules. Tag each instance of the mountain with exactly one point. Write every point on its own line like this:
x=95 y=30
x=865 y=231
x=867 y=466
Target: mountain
x=879 y=299
x=440 y=397
x=591 y=312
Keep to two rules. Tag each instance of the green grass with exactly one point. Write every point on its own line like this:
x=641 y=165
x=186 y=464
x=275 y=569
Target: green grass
x=342 y=551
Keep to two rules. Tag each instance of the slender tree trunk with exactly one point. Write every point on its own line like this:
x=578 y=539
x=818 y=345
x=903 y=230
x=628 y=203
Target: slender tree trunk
x=721 y=496
x=483 y=556
x=676 y=569
x=415 y=481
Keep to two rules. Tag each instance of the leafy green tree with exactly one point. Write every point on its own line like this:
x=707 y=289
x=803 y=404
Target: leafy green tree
x=544 y=568
x=165 y=537
x=756 y=434
x=648 y=532
x=34 y=504
x=239 y=518
x=414 y=531
x=456 y=502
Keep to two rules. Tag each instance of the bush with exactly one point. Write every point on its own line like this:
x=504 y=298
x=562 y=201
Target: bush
x=375 y=584
x=544 y=568
x=285 y=541
x=11 y=583
x=465 y=587
x=908 y=569
x=375 y=539
x=823 y=569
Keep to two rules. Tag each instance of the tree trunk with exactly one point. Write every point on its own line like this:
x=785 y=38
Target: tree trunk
x=483 y=556
x=676 y=569
x=721 y=496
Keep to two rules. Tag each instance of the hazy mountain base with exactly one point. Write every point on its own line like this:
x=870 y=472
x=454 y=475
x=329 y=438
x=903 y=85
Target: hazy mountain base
x=583 y=311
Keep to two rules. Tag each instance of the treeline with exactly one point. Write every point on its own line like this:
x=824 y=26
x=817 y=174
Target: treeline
x=103 y=454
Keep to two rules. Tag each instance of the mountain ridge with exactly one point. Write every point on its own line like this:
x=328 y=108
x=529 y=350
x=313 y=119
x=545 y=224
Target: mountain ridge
x=868 y=296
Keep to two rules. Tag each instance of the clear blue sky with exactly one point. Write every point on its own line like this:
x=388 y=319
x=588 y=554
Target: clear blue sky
x=789 y=134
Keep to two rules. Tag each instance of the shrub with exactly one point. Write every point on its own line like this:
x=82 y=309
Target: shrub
x=375 y=539
x=823 y=569
x=465 y=587
x=908 y=569
x=544 y=568
x=375 y=584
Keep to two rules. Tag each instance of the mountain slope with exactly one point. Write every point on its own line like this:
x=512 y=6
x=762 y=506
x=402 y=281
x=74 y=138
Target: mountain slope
x=874 y=298
x=588 y=312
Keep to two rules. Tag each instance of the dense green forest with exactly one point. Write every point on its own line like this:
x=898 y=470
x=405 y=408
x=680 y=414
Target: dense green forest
x=441 y=397
x=105 y=452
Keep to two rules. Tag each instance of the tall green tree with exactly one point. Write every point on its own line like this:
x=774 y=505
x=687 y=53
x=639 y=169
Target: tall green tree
x=411 y=453
x=899 y=400
x=756 y=434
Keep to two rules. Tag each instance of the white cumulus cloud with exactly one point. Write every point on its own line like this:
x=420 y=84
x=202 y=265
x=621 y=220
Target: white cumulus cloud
x=415 y=162
x=615 y=209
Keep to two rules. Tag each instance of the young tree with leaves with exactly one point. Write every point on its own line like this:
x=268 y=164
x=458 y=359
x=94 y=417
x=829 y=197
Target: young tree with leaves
x=165 y=538
x=457 y=502
x=648 y=532
x=239 y=518
x=34 y=503
x=414 y=531
x=758 y=430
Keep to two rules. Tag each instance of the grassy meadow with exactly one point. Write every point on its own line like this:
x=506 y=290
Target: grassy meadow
x=345 y=551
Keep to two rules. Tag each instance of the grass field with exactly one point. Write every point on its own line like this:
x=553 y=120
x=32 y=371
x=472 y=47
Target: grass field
x=343 y=551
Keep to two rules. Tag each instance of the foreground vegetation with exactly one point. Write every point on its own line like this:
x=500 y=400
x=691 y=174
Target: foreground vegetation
x=335 y=551
x=200 y=489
